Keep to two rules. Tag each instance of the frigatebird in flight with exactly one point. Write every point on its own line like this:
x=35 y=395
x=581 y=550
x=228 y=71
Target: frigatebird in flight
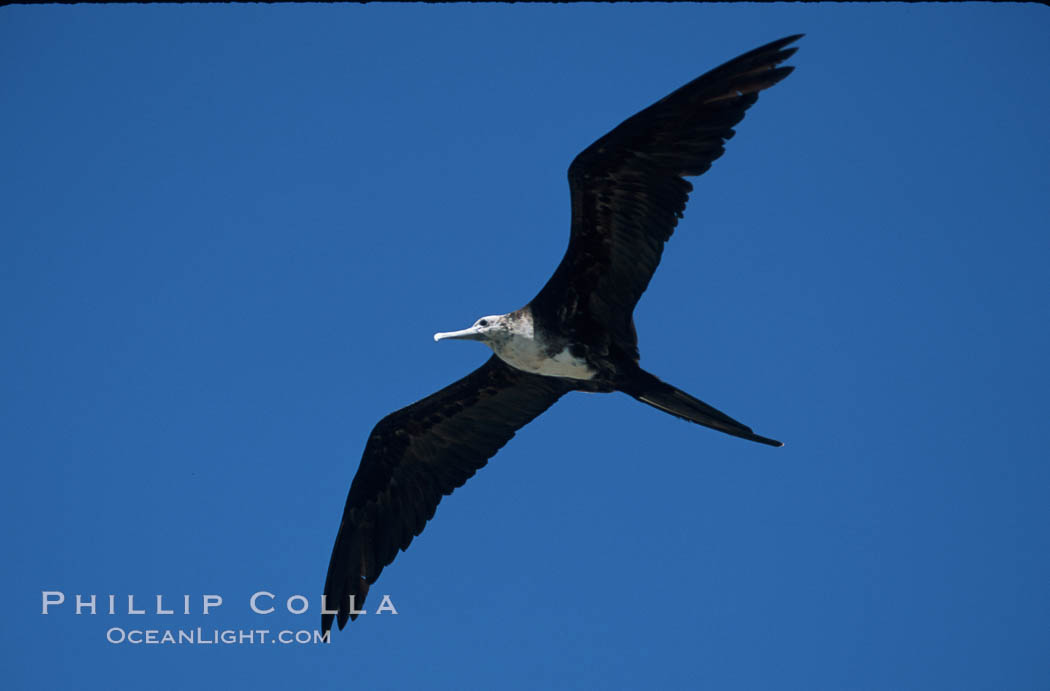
x=628 y=193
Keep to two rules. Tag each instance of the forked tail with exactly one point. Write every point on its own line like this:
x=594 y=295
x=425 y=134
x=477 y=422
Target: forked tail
x=649 y=389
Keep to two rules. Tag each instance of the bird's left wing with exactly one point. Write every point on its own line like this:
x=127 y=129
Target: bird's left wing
x=416 y=456
x=628 y=190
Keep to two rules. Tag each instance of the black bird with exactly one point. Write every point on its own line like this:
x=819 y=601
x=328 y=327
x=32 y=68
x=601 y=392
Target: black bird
x=577 y=334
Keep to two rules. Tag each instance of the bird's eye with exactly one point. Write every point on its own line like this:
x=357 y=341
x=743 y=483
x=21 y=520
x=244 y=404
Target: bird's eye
x=483 y=322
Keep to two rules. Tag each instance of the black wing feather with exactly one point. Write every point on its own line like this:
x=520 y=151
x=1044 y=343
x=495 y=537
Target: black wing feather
x=416 y=456
x=628 y=192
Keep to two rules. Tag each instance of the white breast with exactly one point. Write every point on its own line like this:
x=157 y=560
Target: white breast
x=525 y=353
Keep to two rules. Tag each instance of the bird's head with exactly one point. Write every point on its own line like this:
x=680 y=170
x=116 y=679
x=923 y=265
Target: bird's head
x=487 y=330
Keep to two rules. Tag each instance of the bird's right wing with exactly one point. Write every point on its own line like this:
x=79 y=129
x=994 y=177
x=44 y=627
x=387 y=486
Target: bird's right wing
x=416 y=456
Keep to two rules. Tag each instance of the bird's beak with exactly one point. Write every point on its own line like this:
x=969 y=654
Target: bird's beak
x=470 y=334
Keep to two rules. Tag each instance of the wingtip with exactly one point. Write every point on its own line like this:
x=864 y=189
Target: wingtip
x=772 y=46
x=764 y=440
x=337 y=619
x=787 y=40
x=778 y=48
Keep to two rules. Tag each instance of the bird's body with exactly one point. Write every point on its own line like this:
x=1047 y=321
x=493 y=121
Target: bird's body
x=520 y=342
x=628 y=192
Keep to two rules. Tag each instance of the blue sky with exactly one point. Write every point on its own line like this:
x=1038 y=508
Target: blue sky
x=229 y=233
